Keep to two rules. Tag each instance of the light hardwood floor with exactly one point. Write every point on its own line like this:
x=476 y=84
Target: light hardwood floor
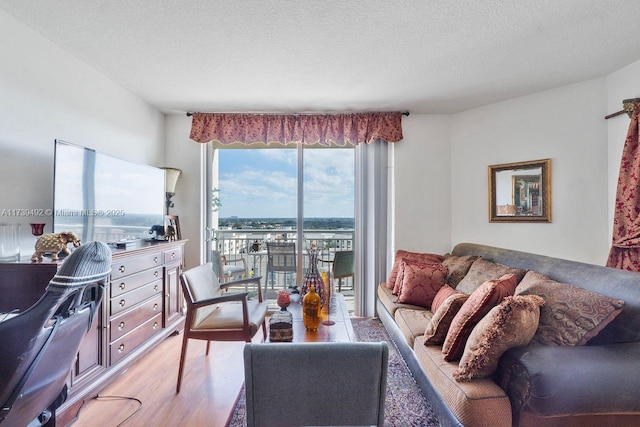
x=209 y=388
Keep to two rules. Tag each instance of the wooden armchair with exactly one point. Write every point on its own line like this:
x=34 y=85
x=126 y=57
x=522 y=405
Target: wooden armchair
x=214 y=315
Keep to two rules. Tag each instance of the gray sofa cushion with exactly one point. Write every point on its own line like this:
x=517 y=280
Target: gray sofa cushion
x=562 y=380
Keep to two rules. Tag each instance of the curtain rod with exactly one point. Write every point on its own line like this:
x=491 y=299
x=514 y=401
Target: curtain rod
x=624 y=110
x=189 y=113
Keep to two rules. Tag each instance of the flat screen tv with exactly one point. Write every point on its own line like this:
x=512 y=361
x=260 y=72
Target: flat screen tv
x=100 y=197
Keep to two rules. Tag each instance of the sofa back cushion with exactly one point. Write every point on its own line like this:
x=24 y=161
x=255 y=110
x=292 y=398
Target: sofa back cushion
x=482 y=270
x=458 y=267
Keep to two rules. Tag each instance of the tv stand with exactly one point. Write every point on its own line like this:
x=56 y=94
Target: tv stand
x=142 y=305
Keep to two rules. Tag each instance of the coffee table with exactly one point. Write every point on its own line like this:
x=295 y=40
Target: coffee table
x=340 y=331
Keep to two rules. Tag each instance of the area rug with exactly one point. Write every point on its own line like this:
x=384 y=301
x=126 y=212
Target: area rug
x=405 y=405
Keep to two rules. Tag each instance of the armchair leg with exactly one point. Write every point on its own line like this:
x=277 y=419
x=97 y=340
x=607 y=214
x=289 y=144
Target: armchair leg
x=183 y=356
x=208 y=345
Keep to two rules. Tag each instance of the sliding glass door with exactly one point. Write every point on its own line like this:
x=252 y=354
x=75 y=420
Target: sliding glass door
x=281 y=193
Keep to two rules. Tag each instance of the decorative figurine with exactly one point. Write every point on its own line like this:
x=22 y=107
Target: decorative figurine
x=54 y=243
x=171 y=233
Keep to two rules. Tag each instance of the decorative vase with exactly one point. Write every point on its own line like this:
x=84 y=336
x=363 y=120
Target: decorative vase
x=283 y=300
x=312 y=278
x=311 y=310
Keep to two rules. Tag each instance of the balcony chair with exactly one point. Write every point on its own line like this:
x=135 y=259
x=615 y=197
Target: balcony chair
x=215 y=315
x=227 y=268
x=342 y=266
x=281 y=258
x=319 y=384
x=39 y=345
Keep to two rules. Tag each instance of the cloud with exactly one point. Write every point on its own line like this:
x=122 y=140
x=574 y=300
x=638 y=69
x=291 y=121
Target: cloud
x=263 y=183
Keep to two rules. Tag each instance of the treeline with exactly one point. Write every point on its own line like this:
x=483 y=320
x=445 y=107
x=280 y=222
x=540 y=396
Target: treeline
x=275 y=223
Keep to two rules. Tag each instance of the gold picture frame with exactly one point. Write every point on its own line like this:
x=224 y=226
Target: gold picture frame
x=520 y=191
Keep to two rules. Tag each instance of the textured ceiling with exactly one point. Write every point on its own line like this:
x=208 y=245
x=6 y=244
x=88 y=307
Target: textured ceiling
x=424 y=56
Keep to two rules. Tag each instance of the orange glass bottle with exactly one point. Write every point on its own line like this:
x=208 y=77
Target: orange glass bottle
x=311 y=310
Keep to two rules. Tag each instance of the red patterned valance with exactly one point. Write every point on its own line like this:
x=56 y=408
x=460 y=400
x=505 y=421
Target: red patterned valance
x=327 y=129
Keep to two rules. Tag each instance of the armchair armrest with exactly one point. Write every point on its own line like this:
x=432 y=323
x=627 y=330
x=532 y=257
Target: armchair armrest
x=236 y=296
x=228 y=260
x=248 y=280
x=560 y=380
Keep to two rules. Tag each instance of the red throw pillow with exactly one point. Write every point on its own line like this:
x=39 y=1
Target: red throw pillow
x=480 y=302
x=413 y=256
x=421 y=281
x=445 y=292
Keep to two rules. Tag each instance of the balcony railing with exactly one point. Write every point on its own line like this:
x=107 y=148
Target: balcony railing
x=251 y=245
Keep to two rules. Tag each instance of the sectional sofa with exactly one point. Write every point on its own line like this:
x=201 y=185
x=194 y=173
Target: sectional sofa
x=579 y=364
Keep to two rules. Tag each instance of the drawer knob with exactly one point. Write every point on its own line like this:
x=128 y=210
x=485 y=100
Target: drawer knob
x=155 y=273
x=120 y=348
x=155 y=306
x=122 y=303
x=155 y=325
x=173 y=255
x=121 y=325
x=122 y=286
x=122 y=269
x=155 y=260
x=155 y=288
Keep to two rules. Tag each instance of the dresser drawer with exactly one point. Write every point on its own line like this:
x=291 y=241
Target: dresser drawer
x=127 y=321
x=136 y=264
x=129 y=342
x=129 y=283
x=173 y=255
x=129 y=299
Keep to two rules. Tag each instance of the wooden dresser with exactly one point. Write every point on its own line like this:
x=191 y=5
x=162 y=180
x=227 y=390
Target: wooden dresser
x=142 y=305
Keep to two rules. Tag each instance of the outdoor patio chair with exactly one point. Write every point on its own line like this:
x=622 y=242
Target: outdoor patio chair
x=319 y=384
x=226 y=268
x=342 y=266
x=281 y=259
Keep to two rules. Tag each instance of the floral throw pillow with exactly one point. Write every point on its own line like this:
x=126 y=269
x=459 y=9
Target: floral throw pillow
x=402 y=255
x=483 y=299
x=421 y=281
x=571 y=315
x=511 y=323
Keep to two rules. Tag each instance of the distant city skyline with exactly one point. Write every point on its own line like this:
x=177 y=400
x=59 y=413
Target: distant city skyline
x=262 y=183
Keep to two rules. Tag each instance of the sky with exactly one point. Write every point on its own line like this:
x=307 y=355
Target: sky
x=262 y=183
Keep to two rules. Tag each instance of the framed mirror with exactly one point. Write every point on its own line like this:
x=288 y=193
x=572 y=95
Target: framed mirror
x=520 y=192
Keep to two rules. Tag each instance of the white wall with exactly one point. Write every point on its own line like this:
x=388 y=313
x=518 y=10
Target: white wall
x=47 y=94
x=621 y=85
x=422 y=177
x=565 y=125
x=184 y=154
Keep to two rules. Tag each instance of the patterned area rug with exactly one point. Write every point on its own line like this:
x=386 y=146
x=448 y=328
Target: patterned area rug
x=405 y=404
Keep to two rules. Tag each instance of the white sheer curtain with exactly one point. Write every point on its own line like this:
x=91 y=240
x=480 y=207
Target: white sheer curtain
x=373 y=216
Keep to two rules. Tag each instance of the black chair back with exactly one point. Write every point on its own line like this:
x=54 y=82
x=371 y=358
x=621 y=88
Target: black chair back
x=39 y=345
